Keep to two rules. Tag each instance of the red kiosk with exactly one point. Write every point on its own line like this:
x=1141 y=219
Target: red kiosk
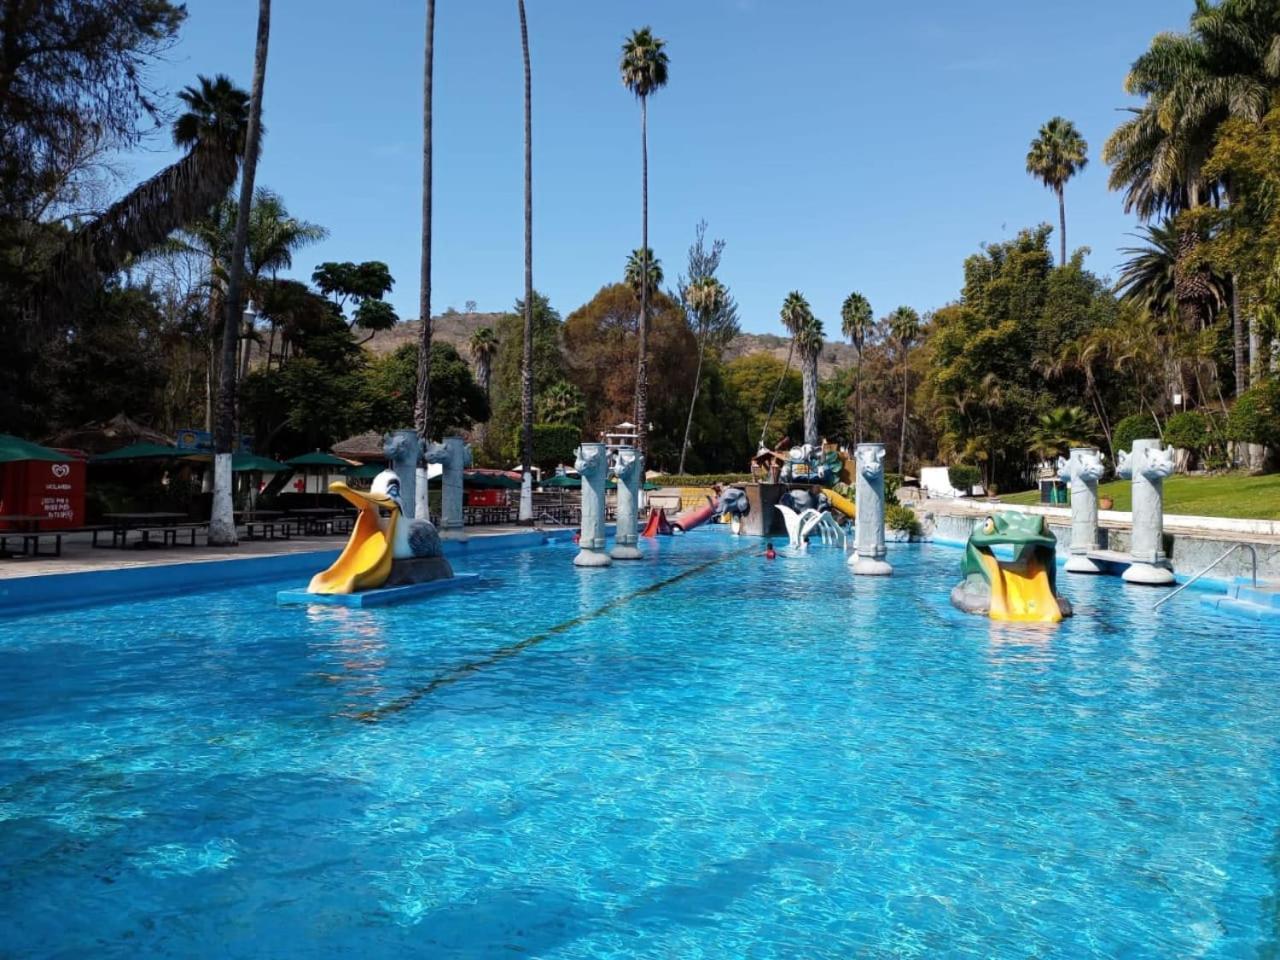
x=41 y=485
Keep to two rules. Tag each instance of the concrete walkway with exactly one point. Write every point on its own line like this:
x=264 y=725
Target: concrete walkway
x=79 y=556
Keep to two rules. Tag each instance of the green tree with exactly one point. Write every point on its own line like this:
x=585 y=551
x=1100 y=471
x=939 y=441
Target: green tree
x=364 y=285
x=1057 y=154
x=222 y=527
x=508 y=369
x=643 y=68
x=755 y=381
x=806 y=335
x=856 y=321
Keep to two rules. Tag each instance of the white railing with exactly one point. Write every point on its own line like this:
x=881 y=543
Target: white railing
x=1234 y=547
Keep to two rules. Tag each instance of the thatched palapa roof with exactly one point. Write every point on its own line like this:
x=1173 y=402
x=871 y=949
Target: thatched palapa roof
x=107 y=435
x=364 y=447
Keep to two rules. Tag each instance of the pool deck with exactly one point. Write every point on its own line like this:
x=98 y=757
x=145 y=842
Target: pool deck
x=79 y=556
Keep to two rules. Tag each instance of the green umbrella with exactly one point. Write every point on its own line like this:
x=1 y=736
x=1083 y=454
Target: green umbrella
x=562 y=480
x=365 y=471
x=490 y=481
x=242 y=462
x=12 y=448
x=319 y=458
x=141 y=451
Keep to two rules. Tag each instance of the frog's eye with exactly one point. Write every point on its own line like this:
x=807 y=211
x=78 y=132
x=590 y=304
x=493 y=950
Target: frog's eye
x=989 y=526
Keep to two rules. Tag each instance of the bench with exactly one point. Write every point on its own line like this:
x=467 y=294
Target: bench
x=266 y=529
x=30 y=543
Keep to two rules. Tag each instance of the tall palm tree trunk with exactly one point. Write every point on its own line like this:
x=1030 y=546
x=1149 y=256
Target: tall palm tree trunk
x=526 y=361
x=857 y=400
x=422 y=402
x=1062 y=226
x=222 y=526
x=688 y=424
x=902 y=440
x=642 y=362
x=809 y=375
x=1238 y=338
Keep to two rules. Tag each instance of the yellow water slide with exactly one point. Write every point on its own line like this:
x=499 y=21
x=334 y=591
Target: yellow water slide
x=1021 y=591
x=841 y=503
x=365 y=562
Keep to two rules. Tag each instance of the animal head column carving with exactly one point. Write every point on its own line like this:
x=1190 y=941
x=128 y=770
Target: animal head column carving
x=869 y=550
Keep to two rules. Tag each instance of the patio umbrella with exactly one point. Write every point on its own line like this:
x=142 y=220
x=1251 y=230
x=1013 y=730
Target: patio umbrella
x=252 y=462
x=489 y=481
x=319 y=461
x=365 y=471
x=13 y=448
x=563 y=480
x=140 y=451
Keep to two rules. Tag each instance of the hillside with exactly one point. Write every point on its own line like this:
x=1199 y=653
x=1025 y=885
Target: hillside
x=457 y=328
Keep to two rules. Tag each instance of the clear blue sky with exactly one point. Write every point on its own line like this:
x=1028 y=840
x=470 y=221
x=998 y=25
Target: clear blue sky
x=835 y=145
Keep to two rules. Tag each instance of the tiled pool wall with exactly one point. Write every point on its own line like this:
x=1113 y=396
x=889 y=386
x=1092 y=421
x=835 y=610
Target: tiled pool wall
x=22 y=595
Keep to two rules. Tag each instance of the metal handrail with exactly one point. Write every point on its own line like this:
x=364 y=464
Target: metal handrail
x=1234 y=547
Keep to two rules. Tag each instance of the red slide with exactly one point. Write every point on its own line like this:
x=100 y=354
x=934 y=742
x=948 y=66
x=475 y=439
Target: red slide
x=657 y=524
x=693 y=518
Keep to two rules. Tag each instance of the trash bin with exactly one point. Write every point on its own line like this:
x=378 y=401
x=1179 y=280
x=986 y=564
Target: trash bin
x=1053 y=491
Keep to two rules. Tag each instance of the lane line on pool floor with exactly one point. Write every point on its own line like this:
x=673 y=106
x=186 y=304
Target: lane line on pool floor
x=407 y=700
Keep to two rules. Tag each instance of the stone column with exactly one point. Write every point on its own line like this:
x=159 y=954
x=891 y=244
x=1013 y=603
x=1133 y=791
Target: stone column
x=1147 y=466
x=403 y=451
x=1081 y=470
x=453 y=456
x=628 y=467
x=869 y=553
x=593 y=465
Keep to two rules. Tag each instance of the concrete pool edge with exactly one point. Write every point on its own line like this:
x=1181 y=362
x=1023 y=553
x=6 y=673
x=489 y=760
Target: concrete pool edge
x=66 y=591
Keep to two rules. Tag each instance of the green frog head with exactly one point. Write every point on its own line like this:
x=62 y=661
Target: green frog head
x=1015 y=529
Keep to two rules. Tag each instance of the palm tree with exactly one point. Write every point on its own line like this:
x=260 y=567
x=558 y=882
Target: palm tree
x=904 y=326
x=212 y=131
x=706 y=297
x=1057 y=431
x=855 y=322
x=806 y=336
x=562 y=402
x=526 y=362
x=274 y=235
x=1149 y=277
x=1057 y=154
x=422 y=401
x=643 y=274
x=483 y=347
x=1223 y=67
x=222 y=527
x=644 y=72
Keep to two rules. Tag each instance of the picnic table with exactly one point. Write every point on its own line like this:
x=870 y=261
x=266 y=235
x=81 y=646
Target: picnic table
x=167 y=522
x=316 y=519
x=27 y=528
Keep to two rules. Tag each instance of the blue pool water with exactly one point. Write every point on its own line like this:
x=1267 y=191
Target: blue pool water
x=701 y=755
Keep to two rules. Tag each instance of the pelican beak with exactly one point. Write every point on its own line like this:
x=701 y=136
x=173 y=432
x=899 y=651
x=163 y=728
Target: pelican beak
x=363 y=500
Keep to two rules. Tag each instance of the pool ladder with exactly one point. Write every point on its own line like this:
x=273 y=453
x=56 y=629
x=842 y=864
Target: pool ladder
x=1190 y=580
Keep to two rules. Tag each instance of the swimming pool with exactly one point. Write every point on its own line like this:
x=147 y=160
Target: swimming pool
x=704 y=754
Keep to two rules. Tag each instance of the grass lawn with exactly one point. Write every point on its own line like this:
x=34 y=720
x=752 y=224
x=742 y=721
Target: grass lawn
x=1231 y=495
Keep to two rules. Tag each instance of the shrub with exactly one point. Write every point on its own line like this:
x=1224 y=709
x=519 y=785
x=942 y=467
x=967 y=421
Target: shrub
x=964 y=477
x=1188 y=430
x=1136 y=427
x=898 y=517
x=1256 y=416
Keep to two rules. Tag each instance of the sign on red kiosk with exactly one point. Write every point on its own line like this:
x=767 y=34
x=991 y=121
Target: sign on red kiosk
x=54 y=492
